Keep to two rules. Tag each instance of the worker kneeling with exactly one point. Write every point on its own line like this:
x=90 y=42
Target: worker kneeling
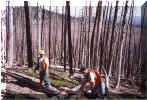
x=97 y=86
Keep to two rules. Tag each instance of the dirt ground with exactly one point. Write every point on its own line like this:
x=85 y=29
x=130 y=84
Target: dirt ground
x=16 y=90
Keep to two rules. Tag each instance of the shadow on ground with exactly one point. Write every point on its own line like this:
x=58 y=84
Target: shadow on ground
x=26 y=82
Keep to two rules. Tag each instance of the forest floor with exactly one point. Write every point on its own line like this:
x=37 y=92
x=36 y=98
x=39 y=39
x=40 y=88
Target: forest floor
x=16 y=89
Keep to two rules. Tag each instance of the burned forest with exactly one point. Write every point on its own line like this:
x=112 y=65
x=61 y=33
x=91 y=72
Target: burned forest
x=103 y=38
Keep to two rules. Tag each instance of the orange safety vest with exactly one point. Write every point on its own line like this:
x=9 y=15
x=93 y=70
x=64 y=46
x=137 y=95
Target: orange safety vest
x=44 y=65
x=97 y=79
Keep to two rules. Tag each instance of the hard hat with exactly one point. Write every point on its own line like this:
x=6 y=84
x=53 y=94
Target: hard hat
x=42 y=52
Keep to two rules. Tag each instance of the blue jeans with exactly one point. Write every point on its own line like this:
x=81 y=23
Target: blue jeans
x=44 y=77
x=100 y=89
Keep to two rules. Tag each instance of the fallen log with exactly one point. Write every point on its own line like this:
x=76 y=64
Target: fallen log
x=33 y=85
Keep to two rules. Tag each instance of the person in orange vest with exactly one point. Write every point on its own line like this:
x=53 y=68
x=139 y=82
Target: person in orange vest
x=91 y=76
x=43 y=65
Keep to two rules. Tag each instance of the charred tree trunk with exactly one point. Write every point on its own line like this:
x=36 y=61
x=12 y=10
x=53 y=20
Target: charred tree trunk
x=122 y=44
x=49 y=41
x=62 y=36
x=0 y=45
x=7 y=30
x=39 y=28
x=69 y=37
x=28 y=35
x=92 y=38
x=88 y=57
x=65 y=29
x=23 y=35
x=11 y=37
x=112 y=35
x=144 y=49
x=42 y=27
x=9 y=46
x=98 y=35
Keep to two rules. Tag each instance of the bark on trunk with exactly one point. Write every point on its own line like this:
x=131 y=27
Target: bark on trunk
x=49 y=41
x=9 y=46
x=92 y=38
x=10 y=54
x=122 y=37
x=28 y=35
x=120 y=65
x=69 y=37
x=65 y=29
x=144 y=49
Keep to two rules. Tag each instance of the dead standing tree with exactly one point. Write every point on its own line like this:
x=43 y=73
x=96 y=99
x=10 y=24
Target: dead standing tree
x=39 y=20
x=9 y=29
x=127 y=67
x=108 y=44
x=144 y=49
x=69 y=37
x=65 y=29
x=42 y=27
x=93 y=35
x=112 y=35
x=98 y=35
x=62 y=36
x=90 y=14
x=28 y=35
x=122 y=39
x=23 y=35
x=49 y=34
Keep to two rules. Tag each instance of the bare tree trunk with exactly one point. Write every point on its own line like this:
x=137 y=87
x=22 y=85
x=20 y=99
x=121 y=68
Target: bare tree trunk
x=55 y=37
x=104 y=53
x=69 y=37
x=122 y=44
x=98 y=35
x=9 y=46
x=88 y=57
x=144 y=50
x=42 y=29
x=120 y=63
x=38 y=34
x=39 y=28
x=7 y=30
x=80 y=43
x=106 y=39
x=65 y=29
x=23 y=36
x=74 y=44
x=62 y=35
x=129 y=44
x=28 y=35
x=112 y=34
x=0 y=47
x=11 y=37
x=92 y=37
x=49 y=41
